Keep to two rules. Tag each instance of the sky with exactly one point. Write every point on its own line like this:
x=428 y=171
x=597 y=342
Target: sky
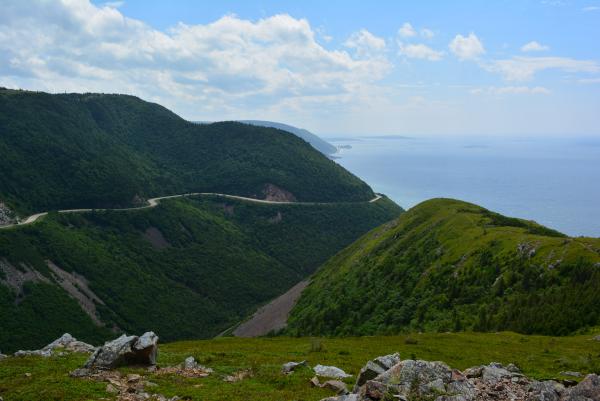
x=482 y=68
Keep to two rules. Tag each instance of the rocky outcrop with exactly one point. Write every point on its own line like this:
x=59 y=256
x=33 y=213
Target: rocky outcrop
x=425 y=380
x=6 y=215
x=272 y=192
x=66 y=342
x=125 y=350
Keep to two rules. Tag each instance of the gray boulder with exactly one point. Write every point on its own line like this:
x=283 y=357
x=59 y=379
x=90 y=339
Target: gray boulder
x=190 y=364
x=69 y=343
x=587 y=390
x=545 y=391
x=331 y=372
x=339 y=387
x=495 y=372
x=125 y=350
x=597 y=338
x=65 y=342
x=289 y=367
x=376 y=367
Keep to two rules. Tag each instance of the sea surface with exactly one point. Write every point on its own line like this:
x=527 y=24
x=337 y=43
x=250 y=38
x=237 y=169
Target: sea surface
x=555 y=182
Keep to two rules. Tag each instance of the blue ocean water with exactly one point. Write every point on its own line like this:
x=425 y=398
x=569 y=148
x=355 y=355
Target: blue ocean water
x=555 y=182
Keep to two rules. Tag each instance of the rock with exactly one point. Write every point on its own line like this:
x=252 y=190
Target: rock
x=125 y=350
x=190 y=363
x=376 y=367
x=335 y=385
x=27 y=374
x=2 y=356
x=370 y=371
x=387 y=361
x=69 y=343
x=330 y=371
x=66 y=342
x=494 y=372
x=315 y=382
x=289 y=367
x=409 y=371
x=587 y=390
x=597 y=338
x=111 y=389
x=572 y=374
x=38 y=352
x=545 y=391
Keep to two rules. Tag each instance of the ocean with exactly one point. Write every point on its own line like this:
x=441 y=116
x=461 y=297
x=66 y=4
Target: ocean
x=555 y=182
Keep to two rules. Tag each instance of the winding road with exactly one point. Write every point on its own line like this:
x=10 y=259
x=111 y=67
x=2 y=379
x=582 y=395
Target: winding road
x=153 y=202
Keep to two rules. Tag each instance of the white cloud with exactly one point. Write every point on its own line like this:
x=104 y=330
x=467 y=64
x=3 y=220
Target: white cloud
x=525 y=68
x=591 y=8
x=466 y=47
x=227 y=66
x=589 y=81
x=114 y=4
x=407 y=30
x=365 y=43
x=427 y=33
x=511 y=90
x=420 y=51
x=534 y=46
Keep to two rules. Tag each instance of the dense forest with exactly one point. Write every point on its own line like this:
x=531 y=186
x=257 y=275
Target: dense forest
x=64 y=151
x=188 y=268
x=448 y=265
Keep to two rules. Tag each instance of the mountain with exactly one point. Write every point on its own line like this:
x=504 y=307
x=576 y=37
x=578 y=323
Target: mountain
x=447 y=265
x=318 y=143
x=189 y=268
x=64 y=151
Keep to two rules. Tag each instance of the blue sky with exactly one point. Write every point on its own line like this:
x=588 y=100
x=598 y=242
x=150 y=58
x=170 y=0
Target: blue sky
x=338 y=67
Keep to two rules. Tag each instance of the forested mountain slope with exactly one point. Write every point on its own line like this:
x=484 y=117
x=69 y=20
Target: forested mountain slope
x=447 y=265
x=318 y=143
x=63 y=151
x=188 y=268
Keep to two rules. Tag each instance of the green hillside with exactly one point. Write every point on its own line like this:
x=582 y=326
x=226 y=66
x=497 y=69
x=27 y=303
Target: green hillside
x=189 y=268
x=447 y=265
x=92 y=150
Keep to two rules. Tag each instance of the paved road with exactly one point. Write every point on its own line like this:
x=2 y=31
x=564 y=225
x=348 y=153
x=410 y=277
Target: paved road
x=155 y=201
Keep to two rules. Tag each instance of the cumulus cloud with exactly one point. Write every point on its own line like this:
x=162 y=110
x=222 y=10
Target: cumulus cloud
x=525 y=68
x=420 y=51
x=511 y=90
x=228 y=65
x=427 y=33
x=407 y=31
x=466 y=47
x=365 y=43
x=534 y=46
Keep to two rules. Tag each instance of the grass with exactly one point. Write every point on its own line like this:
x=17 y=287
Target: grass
x=541 y=357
